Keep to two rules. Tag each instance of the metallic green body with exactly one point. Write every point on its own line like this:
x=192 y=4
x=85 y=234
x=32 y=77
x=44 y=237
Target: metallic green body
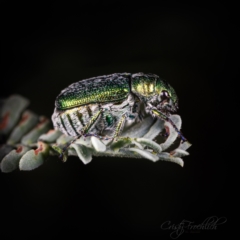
x=106 y=103
x=103 y=89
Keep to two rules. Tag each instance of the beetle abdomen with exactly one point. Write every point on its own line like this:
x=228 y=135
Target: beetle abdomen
x=71 y=121
x=101 y=89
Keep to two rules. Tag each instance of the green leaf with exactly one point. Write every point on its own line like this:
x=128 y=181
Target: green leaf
x=144 y=154
x=83 y=152
x=11 y=112
x=98 y=145
x=27 y=122
x=149 y=143
x=11 y=161
x=51 y=136
x=35 y=133
x=34 y=158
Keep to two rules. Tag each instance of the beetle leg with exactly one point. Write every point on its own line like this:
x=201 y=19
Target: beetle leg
x=119 y=126
x=140 y=116
x=83 y=131
x=164 y=117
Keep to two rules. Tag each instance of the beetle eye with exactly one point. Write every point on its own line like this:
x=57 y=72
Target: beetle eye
x=164 y=94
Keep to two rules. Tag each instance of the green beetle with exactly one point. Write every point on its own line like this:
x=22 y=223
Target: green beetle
x=101 y=106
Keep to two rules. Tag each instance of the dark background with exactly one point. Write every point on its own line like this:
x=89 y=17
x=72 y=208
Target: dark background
x=44 y=48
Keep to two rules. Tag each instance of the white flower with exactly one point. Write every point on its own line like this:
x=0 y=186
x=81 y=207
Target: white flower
x=30 y=142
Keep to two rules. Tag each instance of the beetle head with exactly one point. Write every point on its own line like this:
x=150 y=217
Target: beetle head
x=167 y=97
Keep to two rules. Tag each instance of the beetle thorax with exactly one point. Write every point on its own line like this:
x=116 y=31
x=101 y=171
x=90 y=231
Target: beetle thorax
x=144 y=85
